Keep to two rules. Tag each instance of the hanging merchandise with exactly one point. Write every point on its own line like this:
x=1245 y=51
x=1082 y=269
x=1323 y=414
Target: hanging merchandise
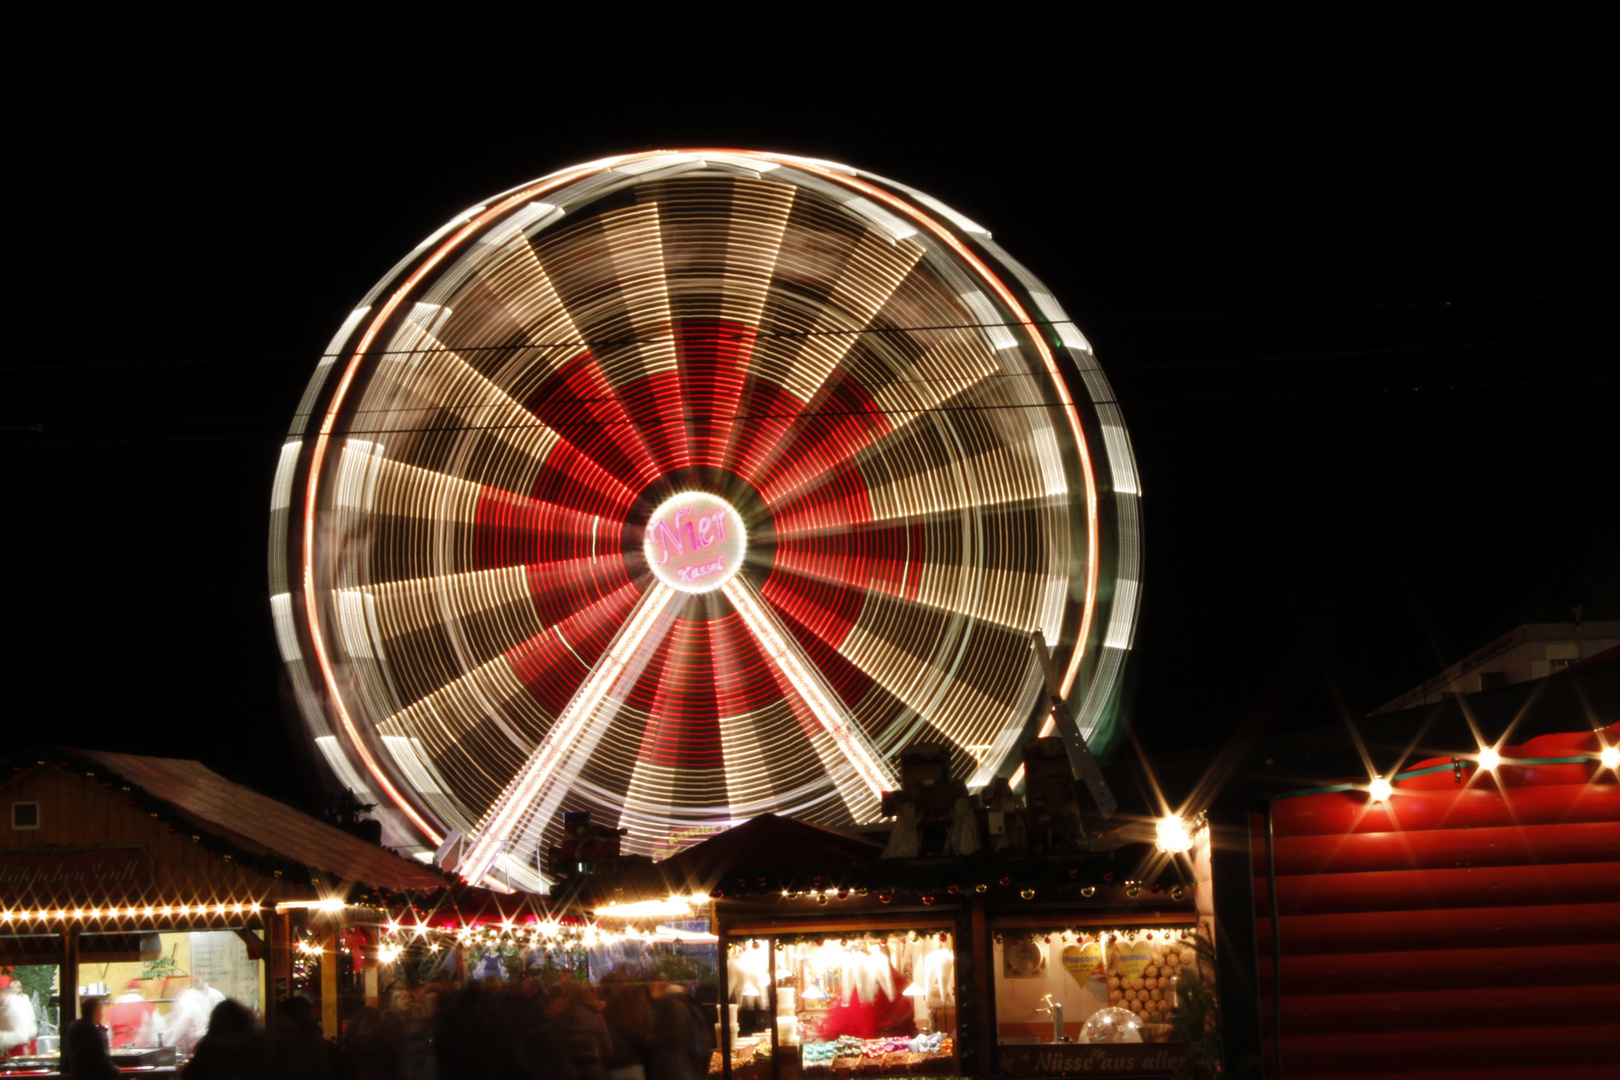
x=868 y=1004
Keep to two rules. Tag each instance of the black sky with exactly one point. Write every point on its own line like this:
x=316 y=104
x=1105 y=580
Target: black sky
x=1355 y=284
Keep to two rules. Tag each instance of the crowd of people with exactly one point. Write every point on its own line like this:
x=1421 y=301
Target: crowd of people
x=624 y=1028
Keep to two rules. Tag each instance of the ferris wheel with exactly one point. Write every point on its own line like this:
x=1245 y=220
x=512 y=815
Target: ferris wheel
x=686 y=486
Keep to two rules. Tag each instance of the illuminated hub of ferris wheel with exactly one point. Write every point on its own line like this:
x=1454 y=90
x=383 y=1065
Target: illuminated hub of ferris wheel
x=686 y=486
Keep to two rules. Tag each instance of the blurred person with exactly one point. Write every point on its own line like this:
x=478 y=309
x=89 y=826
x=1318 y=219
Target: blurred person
x=298 y=1049
x=414 y=1008
x=233 y=1049
x=681 y=1039
x=375 y=1041
x=129 y=1018
x=84 y=1052
x=188 y=1019
x=478 y=1032
x=577 y=1013
x=18 y=1026
x=627 y=1012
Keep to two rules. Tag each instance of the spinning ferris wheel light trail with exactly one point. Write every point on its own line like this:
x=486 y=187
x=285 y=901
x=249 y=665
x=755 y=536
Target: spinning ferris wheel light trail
x=690 y=485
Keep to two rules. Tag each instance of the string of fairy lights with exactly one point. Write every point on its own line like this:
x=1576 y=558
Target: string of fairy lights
x=861 y=382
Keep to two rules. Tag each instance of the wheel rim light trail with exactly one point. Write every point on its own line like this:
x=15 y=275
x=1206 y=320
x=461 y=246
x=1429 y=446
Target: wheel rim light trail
x=599 y=416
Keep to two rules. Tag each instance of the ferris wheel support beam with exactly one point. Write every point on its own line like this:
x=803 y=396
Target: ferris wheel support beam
x=533 y=794
x=845 y=733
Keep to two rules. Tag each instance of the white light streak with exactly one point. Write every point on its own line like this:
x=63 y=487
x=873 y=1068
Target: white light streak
x=532 y=794
x=820 y=700
x=991 y=322
x=286 y=635
x=1122 y=621
x=1120 y=459
x=407 y=753
x=281 y=490
x=962 y=222
x=889 y=224
x=328 y=746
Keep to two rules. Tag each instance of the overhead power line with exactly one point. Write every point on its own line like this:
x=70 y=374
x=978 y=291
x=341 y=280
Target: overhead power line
x=281 y=434
x=304 y=357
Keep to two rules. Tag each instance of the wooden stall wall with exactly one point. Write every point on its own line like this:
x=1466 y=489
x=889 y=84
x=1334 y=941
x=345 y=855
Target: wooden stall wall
x=1457 y=930
x=76 y=811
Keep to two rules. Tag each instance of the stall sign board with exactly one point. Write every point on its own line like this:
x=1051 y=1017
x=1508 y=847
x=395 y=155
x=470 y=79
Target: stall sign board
x=681 y=839
x=1091 y=1059
x=46 y=874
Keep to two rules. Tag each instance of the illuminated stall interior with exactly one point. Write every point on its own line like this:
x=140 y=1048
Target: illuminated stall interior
x=867 y=998
x=1051 y=983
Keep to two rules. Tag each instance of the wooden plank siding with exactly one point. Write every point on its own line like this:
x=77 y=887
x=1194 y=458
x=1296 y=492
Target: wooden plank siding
x=1467 y=928
x=78 y=812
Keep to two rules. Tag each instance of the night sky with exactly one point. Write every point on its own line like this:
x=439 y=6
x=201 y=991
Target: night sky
x=1355 y=285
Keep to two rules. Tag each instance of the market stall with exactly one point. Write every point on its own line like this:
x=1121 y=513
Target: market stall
x=866 y=988
x=990 y=963
x=143 y=891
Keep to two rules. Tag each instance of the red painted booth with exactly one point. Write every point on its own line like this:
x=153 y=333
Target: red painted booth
x=1461 y=921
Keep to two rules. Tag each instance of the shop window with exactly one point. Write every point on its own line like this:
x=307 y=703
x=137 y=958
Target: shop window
x=28 y=1000
x=841 y=1005
x=25 y=815
x=1056 y=990
x=160 y=993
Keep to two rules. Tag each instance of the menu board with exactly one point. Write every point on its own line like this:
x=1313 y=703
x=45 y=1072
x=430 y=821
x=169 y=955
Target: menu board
x=219 y=959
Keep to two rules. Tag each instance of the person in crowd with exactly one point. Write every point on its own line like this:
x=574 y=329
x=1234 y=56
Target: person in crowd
x=233 y=1049
x=627 y=1012
x=480 y=1032
x=375 y=1041
x=84 y=1052
x=580 y=1014
x=415 y=1010
x=298 y=1049
x=681 y=1039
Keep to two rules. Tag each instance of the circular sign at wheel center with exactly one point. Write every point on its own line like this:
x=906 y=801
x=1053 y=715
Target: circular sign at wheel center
x=695 y=542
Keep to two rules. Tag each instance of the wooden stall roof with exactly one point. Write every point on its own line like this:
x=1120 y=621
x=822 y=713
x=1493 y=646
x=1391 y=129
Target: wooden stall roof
x=231 y=810
x=766 y=841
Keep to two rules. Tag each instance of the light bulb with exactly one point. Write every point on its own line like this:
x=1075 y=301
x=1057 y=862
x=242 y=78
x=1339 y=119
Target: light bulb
x=1173 y=834
x=1489 y=758
x=1380 y=789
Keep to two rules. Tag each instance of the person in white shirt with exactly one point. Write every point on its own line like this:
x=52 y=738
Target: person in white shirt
x=18 y=1028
